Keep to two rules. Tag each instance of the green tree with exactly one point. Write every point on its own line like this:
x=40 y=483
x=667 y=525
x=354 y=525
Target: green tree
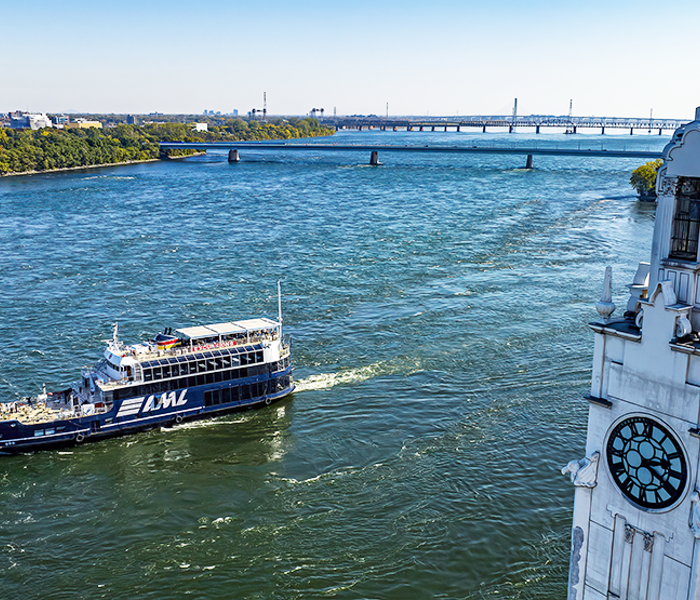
x=47 y=149
x=644 y=178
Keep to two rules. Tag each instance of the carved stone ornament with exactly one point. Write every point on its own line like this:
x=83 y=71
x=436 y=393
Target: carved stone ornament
x=683 y=327
x=668 y=186
x=695 y=514
x=584 y=472
x=669 y=295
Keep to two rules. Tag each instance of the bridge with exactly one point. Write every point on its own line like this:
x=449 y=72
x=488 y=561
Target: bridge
x=234 y=149
x=536 y=122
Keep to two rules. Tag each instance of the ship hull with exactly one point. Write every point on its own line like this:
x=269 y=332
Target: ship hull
x=139 y=413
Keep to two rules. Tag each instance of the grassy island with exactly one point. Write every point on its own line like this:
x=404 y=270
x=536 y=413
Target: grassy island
x=27 y=151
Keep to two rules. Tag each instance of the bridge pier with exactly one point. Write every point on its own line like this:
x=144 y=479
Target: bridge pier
x=528 y=162
x=510 y=129
x=537 y=128
x=602 y=130
x=459 y=129
x=631 y=130
x=659 y=131
x=484 y=129
x=374 y=158
x=233 y=156
x=433 y=128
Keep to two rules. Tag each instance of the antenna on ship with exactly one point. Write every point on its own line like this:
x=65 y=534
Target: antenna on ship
x=279 y=305
x=115 y=334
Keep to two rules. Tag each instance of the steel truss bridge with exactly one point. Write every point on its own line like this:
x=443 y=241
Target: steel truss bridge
x=536 y=122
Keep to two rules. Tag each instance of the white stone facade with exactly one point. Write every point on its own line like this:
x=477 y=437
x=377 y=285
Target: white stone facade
x=636 y=532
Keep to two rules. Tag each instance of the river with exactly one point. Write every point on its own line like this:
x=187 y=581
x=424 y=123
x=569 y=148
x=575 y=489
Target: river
x=438 y=308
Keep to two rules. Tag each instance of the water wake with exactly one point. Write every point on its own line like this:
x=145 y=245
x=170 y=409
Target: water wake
x=325 y=381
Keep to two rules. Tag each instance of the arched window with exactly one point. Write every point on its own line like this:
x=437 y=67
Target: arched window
x=686 y=220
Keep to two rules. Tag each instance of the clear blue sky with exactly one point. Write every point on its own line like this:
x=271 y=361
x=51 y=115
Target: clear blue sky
x=437 y=57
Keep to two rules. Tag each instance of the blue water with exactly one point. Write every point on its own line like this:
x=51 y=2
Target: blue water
x=438 y=307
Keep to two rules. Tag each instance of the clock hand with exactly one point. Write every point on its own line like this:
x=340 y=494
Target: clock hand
x=651 y=465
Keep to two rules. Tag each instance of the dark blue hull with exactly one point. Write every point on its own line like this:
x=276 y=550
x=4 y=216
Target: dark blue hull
x=138 y=413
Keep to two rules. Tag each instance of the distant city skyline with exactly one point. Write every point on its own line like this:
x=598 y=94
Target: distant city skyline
x=444 y=57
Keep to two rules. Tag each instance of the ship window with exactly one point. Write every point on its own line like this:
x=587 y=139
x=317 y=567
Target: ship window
x=211 y=397
x=148 y=375
x=174 y=370
x=686 y=220
x=258 y=356
x=210 y=377
x=201 y=366
x=157 y=373
x=201 y=380
x=184 y=368
x=166 y=371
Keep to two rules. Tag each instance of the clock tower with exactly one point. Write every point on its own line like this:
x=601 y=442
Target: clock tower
x=636 y=530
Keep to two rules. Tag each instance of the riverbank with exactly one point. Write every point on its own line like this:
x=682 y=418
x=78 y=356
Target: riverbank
x=79 y=168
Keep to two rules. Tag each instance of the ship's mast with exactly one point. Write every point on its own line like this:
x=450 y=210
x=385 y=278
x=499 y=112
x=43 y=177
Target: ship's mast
x=279 y=306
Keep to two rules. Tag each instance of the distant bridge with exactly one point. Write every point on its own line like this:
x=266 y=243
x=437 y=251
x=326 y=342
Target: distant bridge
x=536 y=122
x=235 y=147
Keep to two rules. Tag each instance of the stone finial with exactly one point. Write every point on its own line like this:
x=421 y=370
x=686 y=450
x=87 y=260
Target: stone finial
x=605 y=306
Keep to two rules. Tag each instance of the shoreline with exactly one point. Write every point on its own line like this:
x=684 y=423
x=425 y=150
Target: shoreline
x=62 y=169
x=116 y=164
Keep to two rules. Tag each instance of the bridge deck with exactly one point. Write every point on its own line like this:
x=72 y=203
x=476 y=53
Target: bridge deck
x=297 y=147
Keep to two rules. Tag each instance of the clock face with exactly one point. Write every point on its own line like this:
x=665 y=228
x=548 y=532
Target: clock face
x=647 y=463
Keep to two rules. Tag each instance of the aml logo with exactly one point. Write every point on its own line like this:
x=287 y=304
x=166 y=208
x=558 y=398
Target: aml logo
x=150 y=403
x=166 y=400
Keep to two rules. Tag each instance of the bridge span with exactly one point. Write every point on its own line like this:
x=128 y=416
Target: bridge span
x=234 y=149
x=536 y=122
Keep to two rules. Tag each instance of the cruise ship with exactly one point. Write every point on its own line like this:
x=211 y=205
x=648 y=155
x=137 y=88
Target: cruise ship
x=186 y=374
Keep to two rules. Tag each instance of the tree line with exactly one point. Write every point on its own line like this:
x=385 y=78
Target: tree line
x=47 y=149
